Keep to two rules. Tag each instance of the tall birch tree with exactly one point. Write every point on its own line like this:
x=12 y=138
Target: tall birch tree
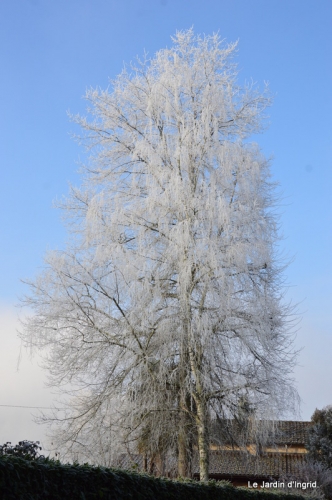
x=166 y=308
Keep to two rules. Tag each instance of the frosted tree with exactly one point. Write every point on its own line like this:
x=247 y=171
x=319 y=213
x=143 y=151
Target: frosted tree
x=319 y=442
x=167 y=305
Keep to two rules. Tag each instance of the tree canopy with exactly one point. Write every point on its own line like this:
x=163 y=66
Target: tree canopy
x=167 y=305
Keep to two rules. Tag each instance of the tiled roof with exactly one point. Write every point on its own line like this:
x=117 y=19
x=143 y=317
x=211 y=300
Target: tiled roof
x=283 y=432
x=289 y=432
x=236 y=463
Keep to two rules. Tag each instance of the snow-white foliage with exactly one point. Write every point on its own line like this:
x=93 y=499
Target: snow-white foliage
x=168 y=300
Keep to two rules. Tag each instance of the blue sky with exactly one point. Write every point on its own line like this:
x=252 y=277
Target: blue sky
x=51 y=52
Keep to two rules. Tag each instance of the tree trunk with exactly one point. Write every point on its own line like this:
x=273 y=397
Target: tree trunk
x=183 y=452
x=184 y=439
x=203 y=442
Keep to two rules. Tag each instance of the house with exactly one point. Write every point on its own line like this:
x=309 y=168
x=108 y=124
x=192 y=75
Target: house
x=281 y=456
x=283 y=453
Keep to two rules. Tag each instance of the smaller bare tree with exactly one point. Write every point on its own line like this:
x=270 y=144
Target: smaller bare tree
x=310 y=472
x=319 y=443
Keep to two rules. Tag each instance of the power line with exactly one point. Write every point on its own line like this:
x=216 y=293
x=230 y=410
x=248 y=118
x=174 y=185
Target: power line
x=33 y=407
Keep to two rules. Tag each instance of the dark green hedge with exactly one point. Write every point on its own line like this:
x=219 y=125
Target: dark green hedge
x=47 y=479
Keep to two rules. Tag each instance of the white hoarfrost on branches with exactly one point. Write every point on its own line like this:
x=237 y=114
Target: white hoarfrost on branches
x=167 y=306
